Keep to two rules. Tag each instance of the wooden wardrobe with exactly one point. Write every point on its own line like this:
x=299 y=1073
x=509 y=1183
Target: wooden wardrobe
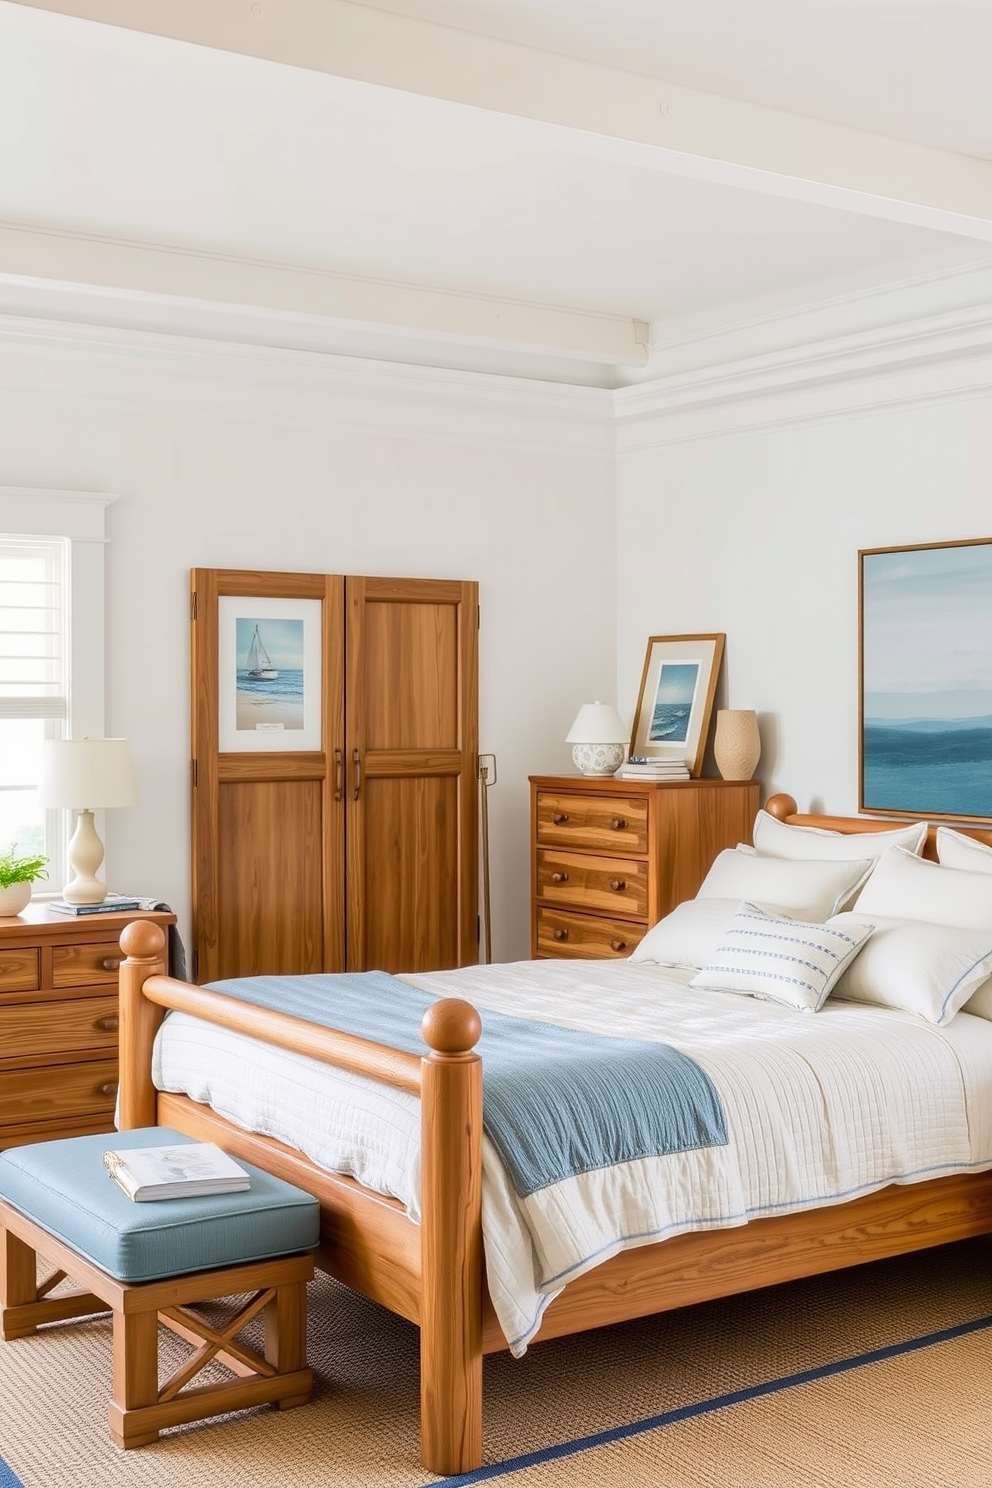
x=349 y=842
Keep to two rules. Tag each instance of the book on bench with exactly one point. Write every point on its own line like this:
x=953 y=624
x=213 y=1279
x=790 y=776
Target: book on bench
x=186 y=1171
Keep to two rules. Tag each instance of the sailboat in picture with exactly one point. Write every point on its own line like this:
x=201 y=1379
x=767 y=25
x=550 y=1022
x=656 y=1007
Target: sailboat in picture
x=260 y=667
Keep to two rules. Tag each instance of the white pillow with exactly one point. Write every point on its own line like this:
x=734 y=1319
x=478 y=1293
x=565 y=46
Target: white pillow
x=928 y=969
x=980 y=1001
x=955 y=850
x=802 y=889
x=784 y=840
x=905 y=887
x=689 y=935
x=789 y=961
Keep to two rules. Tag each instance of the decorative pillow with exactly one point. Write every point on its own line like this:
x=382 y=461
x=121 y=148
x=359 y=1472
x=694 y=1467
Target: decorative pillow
x=789 y=961
x=922 y=968
x=784 y=840
x=955 y=850
x=904 y=887
x=979 y=1004
x=689 y=935
x=802 y=889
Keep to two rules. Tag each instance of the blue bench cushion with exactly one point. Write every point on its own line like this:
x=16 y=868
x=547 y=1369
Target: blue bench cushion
x=64 y=1187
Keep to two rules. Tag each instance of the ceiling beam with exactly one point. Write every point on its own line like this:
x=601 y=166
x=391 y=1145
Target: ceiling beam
x=677 y=129
x=32 y=254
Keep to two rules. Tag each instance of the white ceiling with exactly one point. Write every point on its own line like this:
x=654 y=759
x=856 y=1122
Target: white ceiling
x=539 y=186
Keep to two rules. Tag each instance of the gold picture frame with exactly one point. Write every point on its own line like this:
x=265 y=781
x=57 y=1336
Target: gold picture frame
x=675 y=702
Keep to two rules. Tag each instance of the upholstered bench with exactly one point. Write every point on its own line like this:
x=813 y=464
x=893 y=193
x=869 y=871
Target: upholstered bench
x=151 y=1263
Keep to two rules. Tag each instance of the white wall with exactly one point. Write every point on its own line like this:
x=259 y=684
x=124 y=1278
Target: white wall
x=746 y=516
x=233 y=457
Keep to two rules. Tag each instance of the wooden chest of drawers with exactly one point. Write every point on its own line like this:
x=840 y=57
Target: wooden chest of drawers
x=59 y=1022
x=610 y=857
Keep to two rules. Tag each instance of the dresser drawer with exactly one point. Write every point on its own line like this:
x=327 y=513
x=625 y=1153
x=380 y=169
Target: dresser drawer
x=58 y=1093
x=582 y=881
x=86 y=963
x=20 y=970
x=591 y=936
x=28 y=1030
x=611 y=824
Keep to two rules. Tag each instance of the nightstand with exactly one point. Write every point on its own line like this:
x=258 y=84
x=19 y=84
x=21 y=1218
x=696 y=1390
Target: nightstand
x=610 y=857
x=58 y=1022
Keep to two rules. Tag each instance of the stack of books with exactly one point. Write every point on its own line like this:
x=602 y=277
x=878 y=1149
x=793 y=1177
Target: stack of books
x=114 y=903
x=640 y=768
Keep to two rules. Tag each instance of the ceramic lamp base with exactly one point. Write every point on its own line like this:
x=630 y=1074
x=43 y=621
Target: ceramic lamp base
x=598 y=759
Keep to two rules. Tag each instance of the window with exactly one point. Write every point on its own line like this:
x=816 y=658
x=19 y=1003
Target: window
x=51 y=653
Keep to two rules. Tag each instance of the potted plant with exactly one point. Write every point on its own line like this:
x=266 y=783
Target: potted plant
x=17 y=874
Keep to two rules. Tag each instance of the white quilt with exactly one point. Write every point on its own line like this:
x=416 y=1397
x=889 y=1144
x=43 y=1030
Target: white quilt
x=820 y=1108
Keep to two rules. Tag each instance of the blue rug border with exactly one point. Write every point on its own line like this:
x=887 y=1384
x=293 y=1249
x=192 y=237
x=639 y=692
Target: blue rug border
x=489 y=1472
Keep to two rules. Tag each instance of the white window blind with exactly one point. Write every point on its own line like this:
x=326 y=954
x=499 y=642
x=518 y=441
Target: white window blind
x=34 y=650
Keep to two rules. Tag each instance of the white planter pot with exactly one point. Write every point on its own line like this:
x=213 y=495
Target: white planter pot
x=15 y=898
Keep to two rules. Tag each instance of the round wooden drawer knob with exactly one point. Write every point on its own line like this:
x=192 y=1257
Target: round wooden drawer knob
x=618 y=823
x=559 y=878
x=618 y=885
x=561 y=934
x=111 y=963
x=107 y=1025
x=109 y=1089
x=618 y=945
x=559 y=818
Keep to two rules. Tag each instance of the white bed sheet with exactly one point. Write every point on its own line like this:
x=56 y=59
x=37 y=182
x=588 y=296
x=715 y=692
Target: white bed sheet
x=820 y=1108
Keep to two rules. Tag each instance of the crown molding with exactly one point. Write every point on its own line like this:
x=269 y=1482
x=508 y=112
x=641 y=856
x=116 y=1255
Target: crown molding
x=924 y=360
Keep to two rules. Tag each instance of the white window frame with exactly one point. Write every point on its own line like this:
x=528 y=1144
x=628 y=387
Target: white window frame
x=79 y=516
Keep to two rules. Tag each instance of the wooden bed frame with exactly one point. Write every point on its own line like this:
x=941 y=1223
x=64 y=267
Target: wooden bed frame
x=433 y=1274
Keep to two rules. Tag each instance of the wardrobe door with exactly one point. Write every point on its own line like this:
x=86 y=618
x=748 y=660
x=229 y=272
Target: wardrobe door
x=411 y=723
x=268 y=773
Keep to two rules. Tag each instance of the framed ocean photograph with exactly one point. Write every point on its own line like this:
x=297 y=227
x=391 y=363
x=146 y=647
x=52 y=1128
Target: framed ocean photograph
x=675 y=703
x=269 y=670
x=926 y=680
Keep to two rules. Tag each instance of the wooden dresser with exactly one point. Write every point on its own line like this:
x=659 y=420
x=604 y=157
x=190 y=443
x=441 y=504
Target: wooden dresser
x=58 y=1022
x=610 y=857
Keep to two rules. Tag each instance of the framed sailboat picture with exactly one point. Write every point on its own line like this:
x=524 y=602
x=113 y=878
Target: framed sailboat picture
x=269 y=671
x=926 y=680
x=675 y=703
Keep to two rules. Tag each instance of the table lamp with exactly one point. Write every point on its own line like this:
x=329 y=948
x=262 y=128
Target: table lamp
x=598 y=738
x=86 y=775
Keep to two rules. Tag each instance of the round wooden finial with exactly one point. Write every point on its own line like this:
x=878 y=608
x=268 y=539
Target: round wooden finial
x=451 y=1026
x=781 y=806
x=143 y=940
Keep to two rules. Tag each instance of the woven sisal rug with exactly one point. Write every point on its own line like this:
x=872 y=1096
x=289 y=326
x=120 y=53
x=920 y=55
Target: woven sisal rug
x=878 y=1375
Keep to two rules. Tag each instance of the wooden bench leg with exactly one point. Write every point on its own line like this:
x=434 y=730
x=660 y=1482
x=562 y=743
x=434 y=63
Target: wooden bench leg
x=135 y=1386
x=286 y=1335
x=24 y=1302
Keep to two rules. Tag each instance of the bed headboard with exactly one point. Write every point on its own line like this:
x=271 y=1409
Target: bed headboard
x=784 y=808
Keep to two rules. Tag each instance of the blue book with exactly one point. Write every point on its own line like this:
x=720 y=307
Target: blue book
x=114 y=903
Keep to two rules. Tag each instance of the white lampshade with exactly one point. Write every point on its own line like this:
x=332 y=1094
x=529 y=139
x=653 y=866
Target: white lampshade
x=598 y=723
x=86 y=775
x=598 y=738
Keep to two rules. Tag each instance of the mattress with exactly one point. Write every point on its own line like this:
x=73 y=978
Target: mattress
x=819 y=1109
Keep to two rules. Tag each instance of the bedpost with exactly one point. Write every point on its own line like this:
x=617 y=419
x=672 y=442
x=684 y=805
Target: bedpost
x=452 y=1276
x=143 y=944
x=781 y=806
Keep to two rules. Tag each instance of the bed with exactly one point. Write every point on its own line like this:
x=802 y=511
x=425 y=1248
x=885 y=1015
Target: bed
x=921 y=1183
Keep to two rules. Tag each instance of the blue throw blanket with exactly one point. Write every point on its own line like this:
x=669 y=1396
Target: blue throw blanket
x=556 y=1102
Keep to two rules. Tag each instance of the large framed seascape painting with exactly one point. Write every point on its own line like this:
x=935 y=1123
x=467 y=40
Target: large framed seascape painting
x=926 y=680
x=675 y=703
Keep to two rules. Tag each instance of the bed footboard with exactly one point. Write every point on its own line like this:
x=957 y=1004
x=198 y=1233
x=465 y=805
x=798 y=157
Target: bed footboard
x=448 y=1080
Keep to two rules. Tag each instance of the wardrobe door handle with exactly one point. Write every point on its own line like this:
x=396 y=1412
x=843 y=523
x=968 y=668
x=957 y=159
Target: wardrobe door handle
x=338 y=774
x=559 y=878
x=561 y=934
x=559 y=818
x=356 y=760
x=618 y=823
x=618 y=885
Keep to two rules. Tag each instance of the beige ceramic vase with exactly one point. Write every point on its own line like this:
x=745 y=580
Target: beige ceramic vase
x=736 y=743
